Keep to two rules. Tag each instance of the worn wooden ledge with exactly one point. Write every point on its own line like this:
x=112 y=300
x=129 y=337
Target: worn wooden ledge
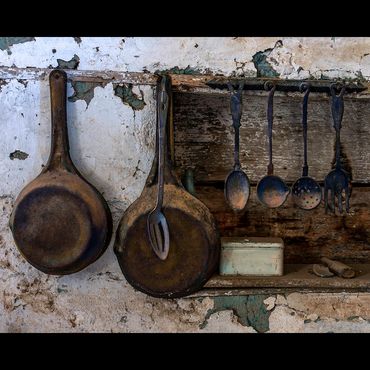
x=197 y=84
x=296 y=278
x=30 y=73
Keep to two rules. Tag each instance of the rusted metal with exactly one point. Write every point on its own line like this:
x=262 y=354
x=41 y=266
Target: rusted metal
x=271 y=190
x=306 y=192
x=157 y=226
x=194 y=239
x=60 y=222
x=337 y=182
x=319 y=86
x=237 y=186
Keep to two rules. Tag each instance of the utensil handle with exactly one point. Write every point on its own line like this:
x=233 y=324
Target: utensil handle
x=236 y=113
x=189 y=181
x=306 y=87
x=337 y=109
x=270 y=117
x=162 y=110
x=59 y=154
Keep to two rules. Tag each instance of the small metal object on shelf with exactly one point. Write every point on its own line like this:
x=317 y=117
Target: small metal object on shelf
x=254 y=256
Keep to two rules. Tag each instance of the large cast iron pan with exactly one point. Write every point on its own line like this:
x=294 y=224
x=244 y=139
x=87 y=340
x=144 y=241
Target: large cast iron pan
x=194 y=239
x=60 y=222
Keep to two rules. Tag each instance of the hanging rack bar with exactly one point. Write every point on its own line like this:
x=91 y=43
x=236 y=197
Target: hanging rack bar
x=321 y=86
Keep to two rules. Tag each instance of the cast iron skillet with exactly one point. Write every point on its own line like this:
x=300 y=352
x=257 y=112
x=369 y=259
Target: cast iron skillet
x=60 y=222
x=194 y=243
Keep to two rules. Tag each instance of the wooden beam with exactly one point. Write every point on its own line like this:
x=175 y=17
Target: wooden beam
x=204 y=137
x=307 y=235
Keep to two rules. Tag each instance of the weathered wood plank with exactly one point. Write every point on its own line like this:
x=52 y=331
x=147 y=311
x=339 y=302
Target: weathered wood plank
x=307 y=235
x=204 y=137
x=184 y=83
x=135 y=78
x=211 y=84
x=295 y=276
x=217 y=292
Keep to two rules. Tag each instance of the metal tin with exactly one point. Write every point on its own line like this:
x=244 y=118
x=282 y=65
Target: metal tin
x=255 y=256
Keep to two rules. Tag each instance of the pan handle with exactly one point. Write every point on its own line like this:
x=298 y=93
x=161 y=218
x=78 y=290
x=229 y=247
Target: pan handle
x=59 y=154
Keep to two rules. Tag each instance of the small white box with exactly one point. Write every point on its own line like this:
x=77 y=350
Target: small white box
x=255 y=256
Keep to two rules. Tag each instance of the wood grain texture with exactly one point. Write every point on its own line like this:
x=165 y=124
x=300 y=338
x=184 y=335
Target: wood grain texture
x=296 y=278
x=307 y=235
x=204 y=138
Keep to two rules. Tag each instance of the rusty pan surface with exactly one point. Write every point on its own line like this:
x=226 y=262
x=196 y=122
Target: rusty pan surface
x=60 y=222
x=194 y=239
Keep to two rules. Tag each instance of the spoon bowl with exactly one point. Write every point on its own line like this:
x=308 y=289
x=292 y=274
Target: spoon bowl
x=272 y=191
x=237 y=190
x=237 y=187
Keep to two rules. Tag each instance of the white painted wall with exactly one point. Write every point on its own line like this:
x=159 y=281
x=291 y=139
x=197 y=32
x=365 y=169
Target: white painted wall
x=113 y=147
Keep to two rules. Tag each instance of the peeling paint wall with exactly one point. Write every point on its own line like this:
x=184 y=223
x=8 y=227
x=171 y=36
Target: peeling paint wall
x=111 y=130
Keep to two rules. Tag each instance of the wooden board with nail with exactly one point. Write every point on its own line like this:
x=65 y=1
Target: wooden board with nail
x=204 y=143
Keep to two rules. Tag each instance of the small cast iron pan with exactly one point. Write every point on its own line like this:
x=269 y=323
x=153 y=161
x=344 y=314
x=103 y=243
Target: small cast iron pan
x=60 y=222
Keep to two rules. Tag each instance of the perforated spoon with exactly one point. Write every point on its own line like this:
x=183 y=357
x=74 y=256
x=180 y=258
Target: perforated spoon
x=306 y=192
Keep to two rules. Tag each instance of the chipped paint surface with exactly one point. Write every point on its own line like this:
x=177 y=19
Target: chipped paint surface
x=263 y=65
x=180 y=71
x=249 y=310
x=83 y=91
x=70 y=64
x=129 y=97
x=18 y=154
x=111 y=129
x=7 y=42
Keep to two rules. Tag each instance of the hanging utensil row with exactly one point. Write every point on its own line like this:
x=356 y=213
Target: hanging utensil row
x=167 y=242
x=271 y=189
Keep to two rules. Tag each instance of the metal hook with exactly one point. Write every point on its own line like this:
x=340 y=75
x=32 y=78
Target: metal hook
x=230 y=86
x=304 y=86
x=337 y=86
x=240 y=88
x=268 y=85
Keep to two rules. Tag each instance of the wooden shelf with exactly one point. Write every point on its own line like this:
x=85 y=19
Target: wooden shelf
x=185 y=83
x=296 y=278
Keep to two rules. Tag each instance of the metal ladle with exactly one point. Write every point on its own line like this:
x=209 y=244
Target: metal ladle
x=237 y=187
x=306 y=192
x=157 y=226
x=271 y=190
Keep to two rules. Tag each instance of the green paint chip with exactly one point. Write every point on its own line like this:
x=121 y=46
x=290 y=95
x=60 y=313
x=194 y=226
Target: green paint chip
x=70 y=64
x=250 y=310
x=263 y=67
x=124 y=91
x=179 y=71
x=84 y=91
x=7 y=42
